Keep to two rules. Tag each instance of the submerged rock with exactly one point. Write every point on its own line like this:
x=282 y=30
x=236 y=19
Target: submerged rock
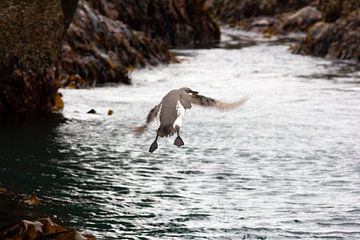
x=180 y=23
x=100 y=50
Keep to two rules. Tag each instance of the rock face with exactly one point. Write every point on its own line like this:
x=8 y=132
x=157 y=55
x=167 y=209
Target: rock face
x=100 y=50
x=337 y=36
x=31 y=34
x=180 y=23
x=340 y=40
x=108 y=38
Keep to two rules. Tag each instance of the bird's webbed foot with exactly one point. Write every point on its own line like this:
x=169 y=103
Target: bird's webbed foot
x=154 y=145
x=178 y=141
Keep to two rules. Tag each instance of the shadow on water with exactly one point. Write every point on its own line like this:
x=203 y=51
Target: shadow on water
x=27 y=143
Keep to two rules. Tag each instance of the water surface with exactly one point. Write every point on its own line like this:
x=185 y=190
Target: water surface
x=284 y=166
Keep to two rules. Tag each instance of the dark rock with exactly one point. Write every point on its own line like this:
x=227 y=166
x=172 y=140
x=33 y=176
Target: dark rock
x=180 y=23
x=92 y=111
x=31 y=34
x=100 y=50
x=335 y=9
x=339 y=40
x=69 y=8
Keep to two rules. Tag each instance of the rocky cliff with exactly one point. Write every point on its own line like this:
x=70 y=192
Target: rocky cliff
x=180 y=23
x=99 y=50
x=30 y=41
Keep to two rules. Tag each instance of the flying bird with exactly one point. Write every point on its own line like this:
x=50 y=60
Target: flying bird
x=171 y=110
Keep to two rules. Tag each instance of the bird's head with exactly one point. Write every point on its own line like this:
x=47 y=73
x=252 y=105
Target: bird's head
x=188 y=90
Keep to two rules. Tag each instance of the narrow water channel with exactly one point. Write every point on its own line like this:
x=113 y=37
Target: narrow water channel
x=284 y=166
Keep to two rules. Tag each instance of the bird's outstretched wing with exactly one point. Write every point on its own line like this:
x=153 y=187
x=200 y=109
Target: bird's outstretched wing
x=150 y=117
x=213 y=103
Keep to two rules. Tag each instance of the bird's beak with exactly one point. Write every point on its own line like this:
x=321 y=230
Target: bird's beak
x=194 y=92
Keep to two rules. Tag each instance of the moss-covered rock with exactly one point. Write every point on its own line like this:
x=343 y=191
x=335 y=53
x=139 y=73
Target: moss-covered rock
x=31 y=33
x=180 y=23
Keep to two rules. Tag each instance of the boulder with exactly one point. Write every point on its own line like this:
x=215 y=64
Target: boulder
x=99 y=50
x=179 y=23
x=340 y=40
x=301 y=19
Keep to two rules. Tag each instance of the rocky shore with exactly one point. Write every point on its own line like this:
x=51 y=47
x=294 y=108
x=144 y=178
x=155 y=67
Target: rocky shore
x=332 y=27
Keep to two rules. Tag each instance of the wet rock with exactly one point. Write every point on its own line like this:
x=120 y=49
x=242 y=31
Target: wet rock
x=91 y=111
x=100 y=50
x=43 y=228
x=340 y=40
x=31 y=34
x=180 y=23
x=32 y=200
x=301 y=19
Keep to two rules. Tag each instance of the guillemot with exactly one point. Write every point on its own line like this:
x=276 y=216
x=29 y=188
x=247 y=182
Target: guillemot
x=171 y=111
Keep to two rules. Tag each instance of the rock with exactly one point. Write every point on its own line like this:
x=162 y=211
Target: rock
x=31 y=35
x=301 y=19
x=100 y=50
x=335 y=9
x=110 y=112
x=32 y=200
x=340 y=40
x=234 y=11
x=180 y=23
x=92 y=111
x=43 y=228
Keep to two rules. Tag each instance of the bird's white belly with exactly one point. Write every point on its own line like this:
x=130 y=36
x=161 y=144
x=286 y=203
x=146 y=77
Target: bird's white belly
x=180 y=110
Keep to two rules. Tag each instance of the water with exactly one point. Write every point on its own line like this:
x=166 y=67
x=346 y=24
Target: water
x=284 y=166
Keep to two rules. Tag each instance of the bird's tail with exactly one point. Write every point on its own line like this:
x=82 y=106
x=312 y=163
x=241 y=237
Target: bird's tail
x=165 y=131
x=139 y=130
x=229 y=106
